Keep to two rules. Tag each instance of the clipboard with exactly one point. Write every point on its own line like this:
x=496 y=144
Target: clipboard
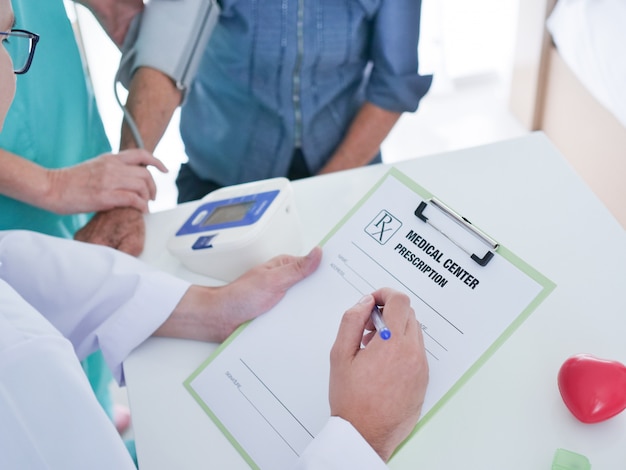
x=465 y=224
x=269 y=397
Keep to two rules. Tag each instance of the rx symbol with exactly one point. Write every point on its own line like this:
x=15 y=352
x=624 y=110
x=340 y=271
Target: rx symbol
x=383 y=227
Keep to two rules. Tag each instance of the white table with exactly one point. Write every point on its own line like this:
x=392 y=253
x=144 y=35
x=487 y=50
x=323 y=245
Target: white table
x=510 y=413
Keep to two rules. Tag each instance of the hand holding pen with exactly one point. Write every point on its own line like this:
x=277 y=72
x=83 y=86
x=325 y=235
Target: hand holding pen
x=387 y=378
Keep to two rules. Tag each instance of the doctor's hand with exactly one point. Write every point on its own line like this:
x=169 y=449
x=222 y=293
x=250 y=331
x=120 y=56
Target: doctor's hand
x=114 y=16
x=122 y=228
x=102 y=183
x=213 y=313
x=379 y=388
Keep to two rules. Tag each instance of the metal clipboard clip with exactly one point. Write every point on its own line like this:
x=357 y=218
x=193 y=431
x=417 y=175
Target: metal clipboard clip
x=463 y=222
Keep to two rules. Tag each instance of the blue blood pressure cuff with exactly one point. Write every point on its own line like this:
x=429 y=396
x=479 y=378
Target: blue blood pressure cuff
x=170 y=36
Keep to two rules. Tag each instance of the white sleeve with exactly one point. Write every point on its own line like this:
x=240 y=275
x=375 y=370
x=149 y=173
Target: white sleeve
x=97 y=297
x=339 y=446
x=49 y=416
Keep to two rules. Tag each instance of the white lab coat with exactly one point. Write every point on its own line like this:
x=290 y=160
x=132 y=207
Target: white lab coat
x=60 y=301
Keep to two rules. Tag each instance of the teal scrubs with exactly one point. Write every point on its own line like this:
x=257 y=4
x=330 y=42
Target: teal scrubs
x=54 y=122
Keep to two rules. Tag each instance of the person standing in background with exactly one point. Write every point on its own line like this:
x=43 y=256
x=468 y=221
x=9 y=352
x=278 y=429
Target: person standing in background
x=284 y=88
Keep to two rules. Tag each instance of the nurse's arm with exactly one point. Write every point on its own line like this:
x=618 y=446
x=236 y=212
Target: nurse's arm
x=22 y=179
x=101 y=183
x=114 y=15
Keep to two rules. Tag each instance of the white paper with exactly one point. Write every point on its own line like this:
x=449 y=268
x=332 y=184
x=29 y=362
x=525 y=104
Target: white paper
x=268 y=388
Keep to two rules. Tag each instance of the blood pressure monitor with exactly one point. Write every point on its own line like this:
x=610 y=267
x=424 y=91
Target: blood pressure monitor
x=238 y=227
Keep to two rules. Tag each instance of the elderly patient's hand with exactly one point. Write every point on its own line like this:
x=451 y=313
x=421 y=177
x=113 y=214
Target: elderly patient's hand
x=213 y=313
x=379 y=388
x=122 y=228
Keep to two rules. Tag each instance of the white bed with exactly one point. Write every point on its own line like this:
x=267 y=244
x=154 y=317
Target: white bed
x=574 y=87
x=590 y=36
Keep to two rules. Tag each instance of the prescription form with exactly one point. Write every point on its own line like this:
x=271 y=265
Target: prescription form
x=266 y=387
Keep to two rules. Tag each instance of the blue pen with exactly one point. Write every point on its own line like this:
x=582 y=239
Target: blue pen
x=379 y=323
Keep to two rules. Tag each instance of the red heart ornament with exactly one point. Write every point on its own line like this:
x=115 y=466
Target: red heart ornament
x=593 y=389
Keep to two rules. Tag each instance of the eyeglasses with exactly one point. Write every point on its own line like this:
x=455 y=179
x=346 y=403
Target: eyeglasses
x=20 y=45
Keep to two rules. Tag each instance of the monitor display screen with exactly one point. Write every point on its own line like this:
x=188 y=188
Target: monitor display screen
x=227 y=213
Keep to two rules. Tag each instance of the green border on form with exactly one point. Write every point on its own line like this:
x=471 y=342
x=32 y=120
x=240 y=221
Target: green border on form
x=547 y=287
x=218 y=423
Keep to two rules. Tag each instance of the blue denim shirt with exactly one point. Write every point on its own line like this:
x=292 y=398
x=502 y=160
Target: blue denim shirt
x=282 y=74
